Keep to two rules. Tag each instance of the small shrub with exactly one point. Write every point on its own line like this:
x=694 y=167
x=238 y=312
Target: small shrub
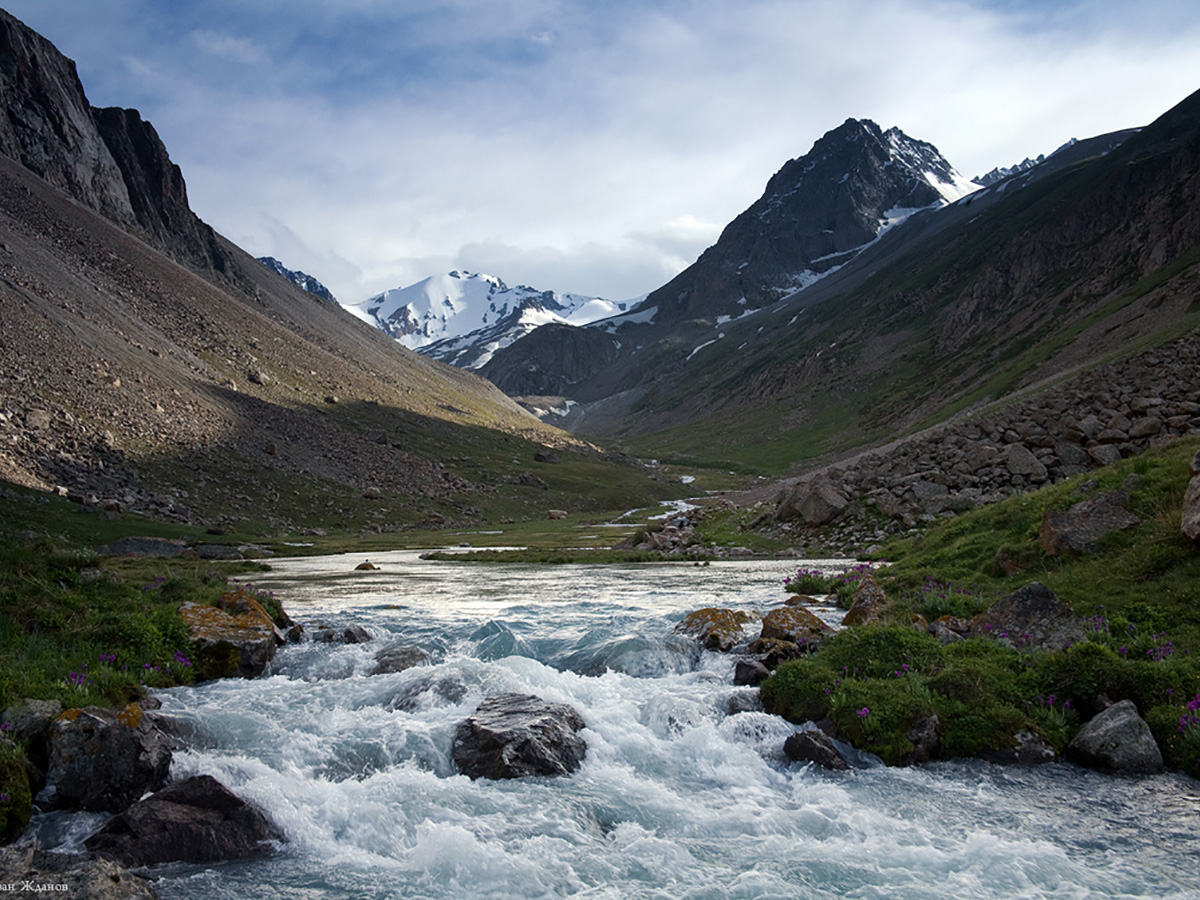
x=799 y=690
x=878 y=651
x=878 y=714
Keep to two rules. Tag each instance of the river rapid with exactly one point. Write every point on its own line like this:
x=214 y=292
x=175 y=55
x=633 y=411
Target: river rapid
x=679 y=796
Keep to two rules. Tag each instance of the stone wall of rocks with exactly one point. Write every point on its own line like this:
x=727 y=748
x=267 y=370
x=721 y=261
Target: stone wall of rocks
x=1092 y=420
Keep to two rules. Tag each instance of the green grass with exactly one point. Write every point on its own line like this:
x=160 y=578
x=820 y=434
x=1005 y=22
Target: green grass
x=1140 y=592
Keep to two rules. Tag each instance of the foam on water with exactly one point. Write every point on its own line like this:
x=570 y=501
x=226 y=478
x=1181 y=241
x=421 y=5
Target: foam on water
x=676 y=798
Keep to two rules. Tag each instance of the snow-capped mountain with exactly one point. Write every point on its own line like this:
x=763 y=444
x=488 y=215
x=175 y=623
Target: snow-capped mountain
x=463 y=317
x=303 y=281
x=817 y=213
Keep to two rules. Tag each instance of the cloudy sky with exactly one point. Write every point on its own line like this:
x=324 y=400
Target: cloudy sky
x=592 y=146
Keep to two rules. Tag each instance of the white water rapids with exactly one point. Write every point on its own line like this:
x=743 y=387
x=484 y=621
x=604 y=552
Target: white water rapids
x=677 y=798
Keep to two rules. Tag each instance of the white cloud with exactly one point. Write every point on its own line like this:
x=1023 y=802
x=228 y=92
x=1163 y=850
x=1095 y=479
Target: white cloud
x=578 y=146
x=226 y=46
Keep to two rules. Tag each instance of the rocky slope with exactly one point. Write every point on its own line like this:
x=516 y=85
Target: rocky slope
x=302 y=280
x=1090 y=255
x=147 y=363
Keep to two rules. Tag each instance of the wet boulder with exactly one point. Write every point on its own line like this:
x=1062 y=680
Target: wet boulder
x=716 y=629
x=398 y=658
x=352 y=634
x=814 y=746
x=1117 y=740
x=103 y=760
x=196 y=820
x=750 y=672
x=513 y=735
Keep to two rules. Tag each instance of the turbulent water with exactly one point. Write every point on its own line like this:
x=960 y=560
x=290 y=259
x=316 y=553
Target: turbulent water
x=677 y=798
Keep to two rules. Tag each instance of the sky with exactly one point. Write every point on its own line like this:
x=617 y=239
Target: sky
x=590 y=146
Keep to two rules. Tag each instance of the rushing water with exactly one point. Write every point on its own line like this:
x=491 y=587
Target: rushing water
x=677 y=798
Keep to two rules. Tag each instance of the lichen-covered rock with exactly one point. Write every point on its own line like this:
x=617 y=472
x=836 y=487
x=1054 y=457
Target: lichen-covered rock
x=1079 y=528
x=1117 y=740
x=513 y=735
x=196 y=820
x=1031 y=616
x=868 y=605
x=103 y=760
x=815 y=747
x=240 y=642
x=716 y=629
x=794 y=624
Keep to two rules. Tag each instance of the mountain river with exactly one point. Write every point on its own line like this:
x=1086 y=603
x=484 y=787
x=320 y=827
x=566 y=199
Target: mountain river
x=677 y=798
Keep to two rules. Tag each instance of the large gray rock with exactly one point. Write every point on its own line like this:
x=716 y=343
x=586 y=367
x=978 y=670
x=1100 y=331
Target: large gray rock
x=103 y=760
x=196 y=820
x=237 y=641
x=1019 y=460
x=1031 y=616
x=812 y=502
x=513 y=735
x=1079 y=528
x=1117 y=740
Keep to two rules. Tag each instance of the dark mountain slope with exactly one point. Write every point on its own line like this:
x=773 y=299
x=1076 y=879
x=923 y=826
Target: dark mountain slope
x=147 y=363
x=1081 y=264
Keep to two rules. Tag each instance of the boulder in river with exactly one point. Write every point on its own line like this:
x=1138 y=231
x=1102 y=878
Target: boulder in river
x=238 y=642
x=1117 y=740
x=717 y=629
x=103 y=760
x=195 y=820
x=816 y=747
x=794 y=624
x=513 y=735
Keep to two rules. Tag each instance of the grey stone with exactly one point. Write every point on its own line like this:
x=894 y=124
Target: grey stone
x=1031 y=616
x=1118 y=740
x=1019 y=460
x=815 y=747
x=87 y=878
x=1079 y=528
x=513 y=735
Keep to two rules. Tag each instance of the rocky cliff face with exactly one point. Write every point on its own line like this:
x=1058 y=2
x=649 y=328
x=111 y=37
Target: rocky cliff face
x=46 y=123
x=548 y=359
x=815 y=213
x=111 y=160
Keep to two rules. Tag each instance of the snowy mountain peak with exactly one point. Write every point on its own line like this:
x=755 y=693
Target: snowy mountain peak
x=463 y=317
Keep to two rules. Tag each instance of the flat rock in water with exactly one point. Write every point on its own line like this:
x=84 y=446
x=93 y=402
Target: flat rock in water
x=1117 y=740
x=196 y=820
x=513 y=735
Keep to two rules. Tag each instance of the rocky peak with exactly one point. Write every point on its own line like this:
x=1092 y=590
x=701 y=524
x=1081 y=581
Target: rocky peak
x=302 y=280
x=111 y=160
x=816 y=213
